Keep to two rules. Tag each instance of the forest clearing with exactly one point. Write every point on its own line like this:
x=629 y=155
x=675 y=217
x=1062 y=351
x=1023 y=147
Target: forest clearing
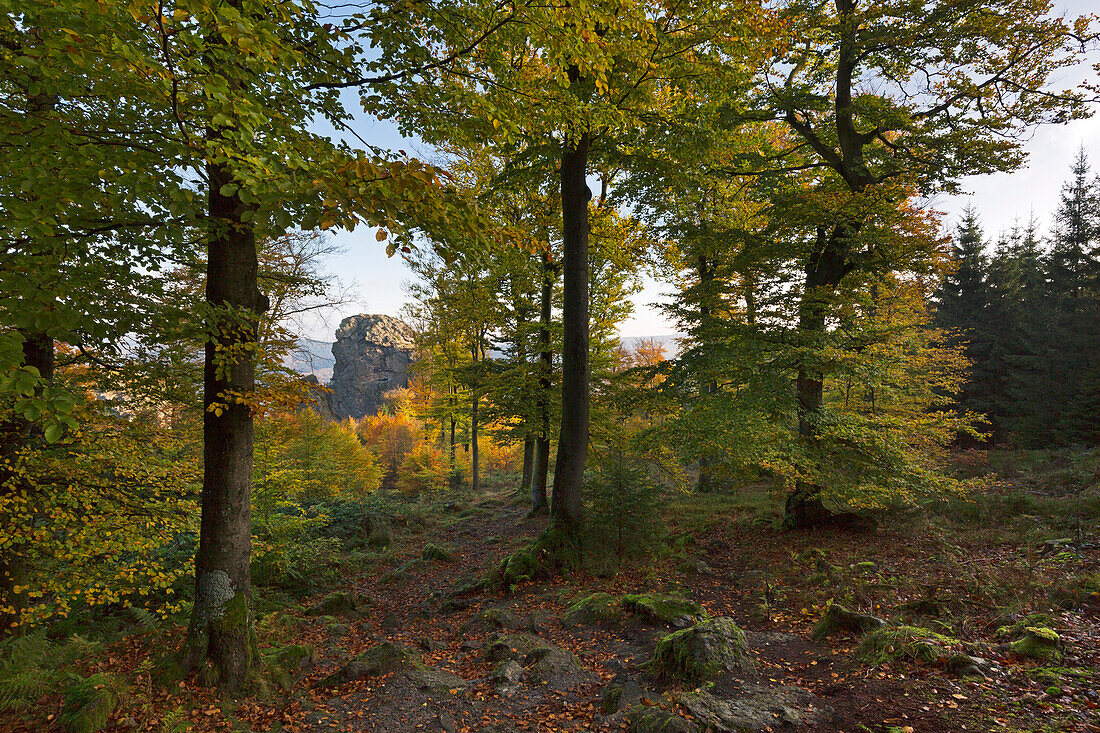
x=846 y=478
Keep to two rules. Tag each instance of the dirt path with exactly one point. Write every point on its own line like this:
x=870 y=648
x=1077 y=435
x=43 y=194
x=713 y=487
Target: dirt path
x=454 y=688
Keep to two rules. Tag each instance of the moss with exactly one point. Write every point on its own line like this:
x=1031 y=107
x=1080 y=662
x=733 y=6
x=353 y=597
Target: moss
x=491 y=619
x=378 y=660
x=654 y=720
x=1016 y=629
x=517 y=568
x=339 y=603
x=704 y=651
x=838 y=618
x=914 y=643
x=435 y=553
x=597 y=608
x=1054 y=691
x=665 y=609
x=89 y=703
x=1037 y=643
x=505 y=647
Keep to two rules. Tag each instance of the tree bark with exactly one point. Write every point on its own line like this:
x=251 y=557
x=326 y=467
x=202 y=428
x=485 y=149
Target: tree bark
x=825 y=269
x=473 y=432
x=706 y=281
x=566 y=502
x=528 y=463
x=221 y=640
x=539 y=503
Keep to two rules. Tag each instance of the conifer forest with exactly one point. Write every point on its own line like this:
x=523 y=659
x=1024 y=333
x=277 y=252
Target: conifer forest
x=324 y=405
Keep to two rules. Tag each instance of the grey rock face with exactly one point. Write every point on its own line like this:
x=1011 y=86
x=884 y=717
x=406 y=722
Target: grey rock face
x=372 y=355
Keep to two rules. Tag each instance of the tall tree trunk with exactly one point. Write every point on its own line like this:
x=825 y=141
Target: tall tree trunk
x=474 y=468
x=221 y=640
x=825 y=269
x=38 y=353
x=539 y=503
x=528 y=463
x=566 y=503
x=706 y=283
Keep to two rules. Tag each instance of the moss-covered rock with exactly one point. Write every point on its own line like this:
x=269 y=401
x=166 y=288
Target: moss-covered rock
x=837 y=618
x=340 y=603
x=433 y=680
x=702 y=652
x=664 y=609
x=378 y=660
x=551 y=665
x=285 y=665
x=1014 y=628
x=645 y=719
x=89 y=703
x=620 y=696
x=504 y=647
x=912 y=643
x=520 y=567
x=594 y=609
x=435 y=553
x=757 y=707
x=491 y=619
x=295 y=657
x=1037 y=642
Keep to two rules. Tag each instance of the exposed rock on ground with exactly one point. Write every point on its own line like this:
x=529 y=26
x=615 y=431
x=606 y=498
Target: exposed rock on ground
x=704 y=651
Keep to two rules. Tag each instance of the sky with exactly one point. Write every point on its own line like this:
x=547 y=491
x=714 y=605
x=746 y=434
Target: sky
x=376 y=282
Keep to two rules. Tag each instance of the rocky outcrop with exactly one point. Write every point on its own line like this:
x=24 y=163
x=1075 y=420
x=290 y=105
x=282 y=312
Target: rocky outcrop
x=372 y=356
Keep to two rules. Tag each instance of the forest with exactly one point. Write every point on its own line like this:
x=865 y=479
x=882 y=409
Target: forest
x=859 y=491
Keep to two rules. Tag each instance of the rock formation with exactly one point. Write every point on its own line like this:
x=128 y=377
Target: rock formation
x=372 y=353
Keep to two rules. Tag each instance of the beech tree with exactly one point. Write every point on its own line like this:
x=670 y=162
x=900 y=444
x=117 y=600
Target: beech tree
x=609 y=67
x=214 y=141
x=886 y=97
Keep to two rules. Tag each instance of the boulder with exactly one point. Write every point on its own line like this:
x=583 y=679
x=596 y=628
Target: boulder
x=1038 y=642
x=619 y=696
x=372 y=355
x=838 y=618
x=378 y=660
x=507 y=672
x=594 y=609
x=662 y=608
x=491 y=619
x=551 y=665
x=913 y=643
x=757 y=708
x=704 y=651
x=431 y=679
x=340 y=604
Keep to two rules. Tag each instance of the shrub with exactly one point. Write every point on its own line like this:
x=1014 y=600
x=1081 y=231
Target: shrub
x=623 y=505
x=424 y=471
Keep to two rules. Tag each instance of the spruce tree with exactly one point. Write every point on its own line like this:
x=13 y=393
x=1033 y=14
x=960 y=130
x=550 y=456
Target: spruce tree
x=1072 y=332
x=963 y=311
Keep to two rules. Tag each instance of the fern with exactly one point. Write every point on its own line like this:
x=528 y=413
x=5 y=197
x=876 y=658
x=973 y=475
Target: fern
x=30 y=666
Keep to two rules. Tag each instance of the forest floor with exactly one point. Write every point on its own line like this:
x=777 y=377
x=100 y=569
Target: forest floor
x=963 y=572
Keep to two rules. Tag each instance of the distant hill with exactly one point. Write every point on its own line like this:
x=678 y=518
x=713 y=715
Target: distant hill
x=315 y=357
x=671 y=342
x=312 y=357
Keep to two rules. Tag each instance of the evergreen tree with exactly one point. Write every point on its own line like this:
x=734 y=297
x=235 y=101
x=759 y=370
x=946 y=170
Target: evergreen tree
x=1073 y=333
x=963 y=310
